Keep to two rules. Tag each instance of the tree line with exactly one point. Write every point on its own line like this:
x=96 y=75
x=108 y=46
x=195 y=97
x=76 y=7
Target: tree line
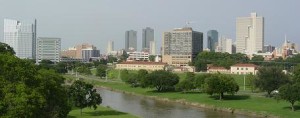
x=31 y=91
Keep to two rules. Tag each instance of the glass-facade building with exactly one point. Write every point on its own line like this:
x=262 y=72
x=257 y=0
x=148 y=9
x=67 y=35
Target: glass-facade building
x=212 y=39
x=147 y=36
x=21 y=37
x=130 y=40
x=48 y=48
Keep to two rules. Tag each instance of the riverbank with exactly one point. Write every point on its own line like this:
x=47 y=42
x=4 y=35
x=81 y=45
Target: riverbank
x=101 y=111
x=238 y=104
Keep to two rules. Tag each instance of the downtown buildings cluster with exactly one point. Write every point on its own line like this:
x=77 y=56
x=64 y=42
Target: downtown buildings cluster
x=179 y=47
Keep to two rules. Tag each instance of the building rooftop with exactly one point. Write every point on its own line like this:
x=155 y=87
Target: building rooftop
x=143 y=63
x=244 y=65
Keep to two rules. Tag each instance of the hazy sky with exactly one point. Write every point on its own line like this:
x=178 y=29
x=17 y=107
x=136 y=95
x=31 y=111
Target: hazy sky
x=97 y=21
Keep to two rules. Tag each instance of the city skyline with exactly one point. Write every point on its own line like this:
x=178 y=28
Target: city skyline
x=98 y=21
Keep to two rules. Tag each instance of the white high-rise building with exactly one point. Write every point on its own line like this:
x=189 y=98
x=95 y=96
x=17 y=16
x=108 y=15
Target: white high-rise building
x=249 y=34
x=48 y=48
x=21 y=37
x=110 y=47
x=152 y=48
x=224 y=45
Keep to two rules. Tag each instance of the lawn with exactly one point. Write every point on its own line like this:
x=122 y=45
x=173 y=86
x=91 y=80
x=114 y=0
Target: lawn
x=243 y=100
x=101 y=111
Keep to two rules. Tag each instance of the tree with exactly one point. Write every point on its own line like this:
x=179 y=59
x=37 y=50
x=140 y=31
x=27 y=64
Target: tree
x=257 y=59
x=220 y=84
x=101 y=70
x=270 y=79
x=83 y=95
x=28 y=92
x=56 y=104
x=152 y=58
x=296 y=73
x=141 y=74
x=200 y=81
x=185 y=85
x=290 y=93
x=251 y=80
x=5 y=48
x=124 y=75
x=84 y=70
x=111 y=59
x=161 y=80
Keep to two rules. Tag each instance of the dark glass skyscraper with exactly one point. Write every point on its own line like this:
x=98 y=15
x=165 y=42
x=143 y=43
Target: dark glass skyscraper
x=130 y=40
x=148 y=35
x=212 y=39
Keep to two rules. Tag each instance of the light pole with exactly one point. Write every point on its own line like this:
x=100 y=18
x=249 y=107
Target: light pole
x=244 y=82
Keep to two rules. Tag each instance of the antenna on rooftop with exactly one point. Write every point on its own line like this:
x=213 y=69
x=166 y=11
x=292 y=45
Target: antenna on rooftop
x=187 y=23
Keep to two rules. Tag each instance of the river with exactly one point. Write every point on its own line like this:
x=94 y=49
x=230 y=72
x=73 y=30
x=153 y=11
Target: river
x=149 y=108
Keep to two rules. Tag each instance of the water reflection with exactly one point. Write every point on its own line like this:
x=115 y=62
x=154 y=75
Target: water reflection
x=149 y=108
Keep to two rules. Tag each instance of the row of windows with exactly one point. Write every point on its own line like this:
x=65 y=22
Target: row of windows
x=242 y=68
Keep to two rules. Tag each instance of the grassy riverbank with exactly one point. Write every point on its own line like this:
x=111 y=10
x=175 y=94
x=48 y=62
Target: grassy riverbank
x=101 y=111
x=242 y=102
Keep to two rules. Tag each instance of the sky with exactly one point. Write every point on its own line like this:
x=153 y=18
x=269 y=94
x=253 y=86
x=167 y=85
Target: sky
x=98 y=21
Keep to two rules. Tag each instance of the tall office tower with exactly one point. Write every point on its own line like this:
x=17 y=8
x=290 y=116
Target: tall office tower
x=48 y=48
x=22 y=37
x=181 y=46
x=249 y=34
x=152 y=50
x=212 y=40
x=110 y=47
x=148 y=35
x=225 y=45
x=130 y=40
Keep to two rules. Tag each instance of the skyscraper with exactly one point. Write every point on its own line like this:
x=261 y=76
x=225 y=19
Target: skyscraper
x=152 y=49
x=22 y=37
x=180 y=46
x=110 y=47
x=148 y=35
x=249 y=34
x=130 y=40
x=212 y=40
x=48 y=48
x=224 y=45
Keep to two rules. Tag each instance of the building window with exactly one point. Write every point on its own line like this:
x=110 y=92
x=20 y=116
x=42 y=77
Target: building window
x=246 y=68
x=242 y=68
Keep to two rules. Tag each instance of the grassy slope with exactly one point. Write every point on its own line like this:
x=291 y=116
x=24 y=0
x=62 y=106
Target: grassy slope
x=101 y=111
x=243 y=100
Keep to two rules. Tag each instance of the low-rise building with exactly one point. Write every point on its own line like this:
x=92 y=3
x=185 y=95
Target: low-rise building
x=138 y=56
x=137 y=65
x=216 y=69
x=242 y=69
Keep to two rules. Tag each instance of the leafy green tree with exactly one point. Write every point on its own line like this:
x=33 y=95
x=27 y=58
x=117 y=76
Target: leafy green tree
x=161 y=80
x=296 y=73
x=101 y=70
x=220 y=84
x=251 y=81
x=152 y=58
x=200 y=81
x=141 y=74
x=111 y=59
x=83 y=95
x=257 y=59
x=84 y=70
x=185 y=85
x=5 y=48
x=290 y=93
x=56 y=104
x=124 y=75
x=28 y=92
x=270 y=79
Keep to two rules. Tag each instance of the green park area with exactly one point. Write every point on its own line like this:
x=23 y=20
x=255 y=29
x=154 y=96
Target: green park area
x=101 y=111
x=244 y=101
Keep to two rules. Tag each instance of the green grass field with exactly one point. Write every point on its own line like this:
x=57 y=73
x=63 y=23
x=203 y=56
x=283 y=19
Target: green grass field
x=101 y=111
x=244 y=100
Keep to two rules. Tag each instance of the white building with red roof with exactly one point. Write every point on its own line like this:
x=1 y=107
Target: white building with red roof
x=242 y=69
